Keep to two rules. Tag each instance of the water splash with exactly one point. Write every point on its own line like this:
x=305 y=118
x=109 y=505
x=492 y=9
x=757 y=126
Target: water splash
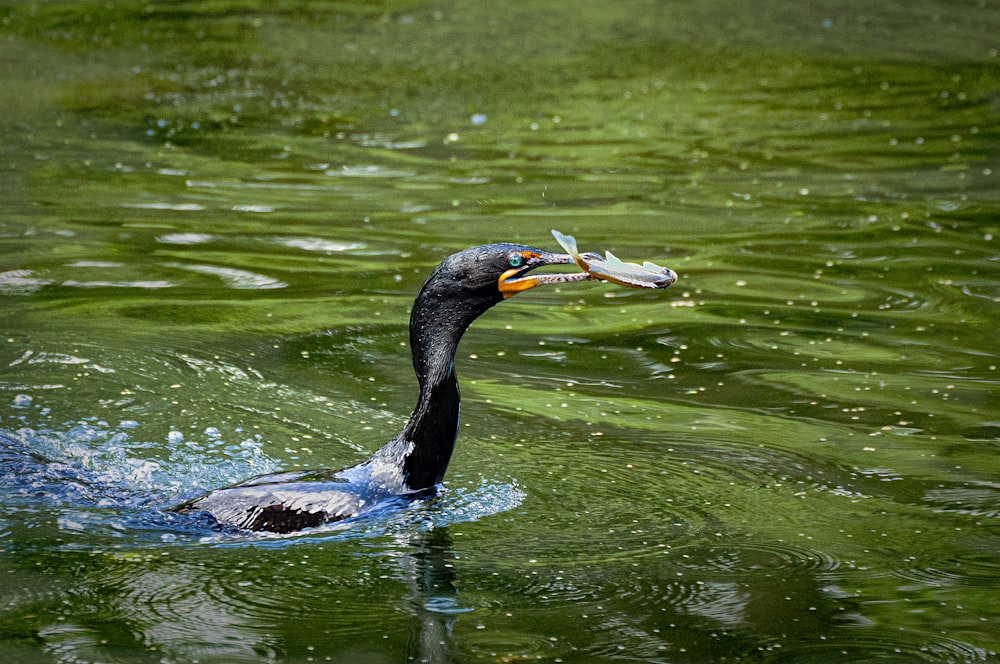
x=94 y=481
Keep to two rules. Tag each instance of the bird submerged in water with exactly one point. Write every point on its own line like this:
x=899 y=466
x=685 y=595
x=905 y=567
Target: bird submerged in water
x=411 y=465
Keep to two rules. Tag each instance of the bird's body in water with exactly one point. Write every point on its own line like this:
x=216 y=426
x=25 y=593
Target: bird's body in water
x=412 y=464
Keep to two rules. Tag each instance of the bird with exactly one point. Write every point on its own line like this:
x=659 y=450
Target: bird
x=412 y=465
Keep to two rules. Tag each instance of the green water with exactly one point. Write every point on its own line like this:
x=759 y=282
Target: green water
x=214 y=217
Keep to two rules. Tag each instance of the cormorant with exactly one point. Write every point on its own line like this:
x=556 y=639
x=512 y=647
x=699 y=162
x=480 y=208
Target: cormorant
x=412 y=464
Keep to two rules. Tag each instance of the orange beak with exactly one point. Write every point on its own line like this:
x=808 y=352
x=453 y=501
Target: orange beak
x=513 y=281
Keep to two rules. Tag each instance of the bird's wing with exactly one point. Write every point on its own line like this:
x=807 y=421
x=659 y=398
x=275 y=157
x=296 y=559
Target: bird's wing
x=281 y=507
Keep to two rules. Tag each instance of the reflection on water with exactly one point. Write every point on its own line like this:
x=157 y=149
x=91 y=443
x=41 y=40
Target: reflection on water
x=90 y=489
x=214 y=219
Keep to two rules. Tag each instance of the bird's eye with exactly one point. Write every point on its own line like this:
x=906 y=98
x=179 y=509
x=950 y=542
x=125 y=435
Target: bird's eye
x=515 y=260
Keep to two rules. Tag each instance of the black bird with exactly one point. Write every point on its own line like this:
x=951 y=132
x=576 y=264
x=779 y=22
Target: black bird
x=412 y=464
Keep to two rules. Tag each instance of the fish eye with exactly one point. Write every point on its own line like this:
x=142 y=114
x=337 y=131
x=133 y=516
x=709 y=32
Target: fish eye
x=515 y=260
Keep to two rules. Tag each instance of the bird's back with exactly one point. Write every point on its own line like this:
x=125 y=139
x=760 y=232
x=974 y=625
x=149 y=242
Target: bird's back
x=286 y=502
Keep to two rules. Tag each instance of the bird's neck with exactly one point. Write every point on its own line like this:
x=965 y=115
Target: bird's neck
x=436 y=326
x=431 y=432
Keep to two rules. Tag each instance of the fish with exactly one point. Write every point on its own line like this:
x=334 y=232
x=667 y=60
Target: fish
x=613 y=269
x=568 y=242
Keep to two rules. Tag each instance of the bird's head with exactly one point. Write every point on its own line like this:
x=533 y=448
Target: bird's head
x=468 y=283
x=483 y=276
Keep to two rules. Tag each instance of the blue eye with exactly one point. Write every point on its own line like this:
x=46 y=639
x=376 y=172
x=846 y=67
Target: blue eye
x=515 y=260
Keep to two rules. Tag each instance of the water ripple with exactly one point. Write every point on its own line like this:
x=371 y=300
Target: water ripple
x=319 y=244
x=186 y=239
x=21 y=282
x=752 y=558
x=503 y=645
x=232 y=277
x=977 y=499
x=862 y=646
x=370 y=171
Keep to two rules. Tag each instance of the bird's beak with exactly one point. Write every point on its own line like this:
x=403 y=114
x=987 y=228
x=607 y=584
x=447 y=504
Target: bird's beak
x=515 y=280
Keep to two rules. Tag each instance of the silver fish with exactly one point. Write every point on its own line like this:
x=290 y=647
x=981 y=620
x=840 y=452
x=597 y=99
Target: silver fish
x=613 y=269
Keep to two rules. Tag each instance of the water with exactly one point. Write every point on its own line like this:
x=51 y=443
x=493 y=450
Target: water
x=213 y=220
